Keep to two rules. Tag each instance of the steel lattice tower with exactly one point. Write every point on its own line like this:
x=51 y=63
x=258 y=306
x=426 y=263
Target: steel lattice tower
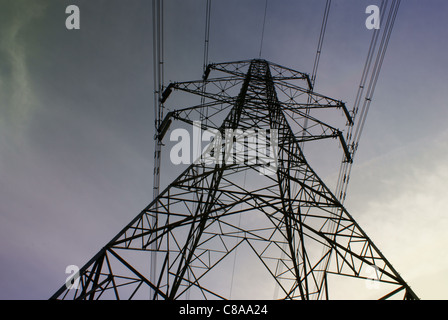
x=291 y=233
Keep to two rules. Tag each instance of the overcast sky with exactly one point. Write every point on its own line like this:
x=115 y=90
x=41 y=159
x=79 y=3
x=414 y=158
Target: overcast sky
x=76 y=122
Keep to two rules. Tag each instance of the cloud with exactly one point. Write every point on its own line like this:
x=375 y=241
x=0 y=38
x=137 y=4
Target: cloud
x=399 y=200
x=15 y=85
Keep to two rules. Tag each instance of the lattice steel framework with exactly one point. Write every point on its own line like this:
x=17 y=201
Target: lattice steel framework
x=293 y=237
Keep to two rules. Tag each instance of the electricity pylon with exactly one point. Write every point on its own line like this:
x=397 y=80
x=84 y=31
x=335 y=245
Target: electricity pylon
x=239 y=226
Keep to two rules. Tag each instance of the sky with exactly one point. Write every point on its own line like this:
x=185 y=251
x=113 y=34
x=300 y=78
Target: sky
x=76 y=122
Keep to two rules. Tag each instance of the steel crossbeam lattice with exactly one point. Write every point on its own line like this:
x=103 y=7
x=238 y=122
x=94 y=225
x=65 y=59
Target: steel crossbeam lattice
x=291 y=234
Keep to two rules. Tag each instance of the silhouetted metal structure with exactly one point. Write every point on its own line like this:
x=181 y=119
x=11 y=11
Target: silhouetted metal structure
x=224 y=229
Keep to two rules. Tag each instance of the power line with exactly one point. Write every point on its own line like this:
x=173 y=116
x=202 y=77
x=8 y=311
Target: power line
x=373 y=70
x=158 y=44
x=262 y=31
x=207 y=32
x=320 y=42
x=323 y=29
x=158 y=73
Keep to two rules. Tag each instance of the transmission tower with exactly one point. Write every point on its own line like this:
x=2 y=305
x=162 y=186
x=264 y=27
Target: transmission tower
x=239 y=226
